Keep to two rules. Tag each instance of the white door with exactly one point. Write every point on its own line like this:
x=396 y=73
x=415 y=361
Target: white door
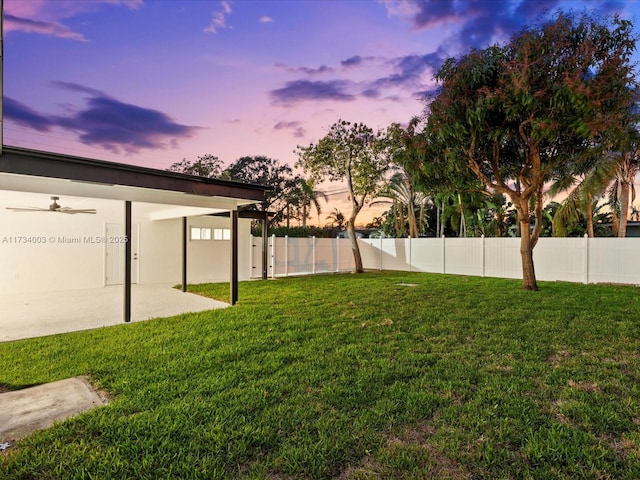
x=114 y=252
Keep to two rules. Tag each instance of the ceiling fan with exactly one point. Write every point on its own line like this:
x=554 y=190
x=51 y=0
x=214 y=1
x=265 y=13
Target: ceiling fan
x=54 y=207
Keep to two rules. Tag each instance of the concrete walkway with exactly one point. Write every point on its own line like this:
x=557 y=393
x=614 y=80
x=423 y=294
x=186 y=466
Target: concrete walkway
x=24 y=411
x=38 y=314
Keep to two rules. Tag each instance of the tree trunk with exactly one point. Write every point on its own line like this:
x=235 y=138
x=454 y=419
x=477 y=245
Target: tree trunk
x=396 y=218
x=288 y=215
x=513 y=199
x=615 y=222
x=463 y=224
x=351 y=229
x=526 y=253
x=624 y=209
x=590 y=230
x=413 y=226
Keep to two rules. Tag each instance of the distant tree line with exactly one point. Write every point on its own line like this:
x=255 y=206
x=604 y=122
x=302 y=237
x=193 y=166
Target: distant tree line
x=290 y=198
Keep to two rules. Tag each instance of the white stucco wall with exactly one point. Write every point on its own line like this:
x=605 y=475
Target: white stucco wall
x=207 y=260
x=43 y=251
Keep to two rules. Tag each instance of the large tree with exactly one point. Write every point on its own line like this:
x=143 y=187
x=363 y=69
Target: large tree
x=351 y=153
x=259 y=170
x=514 y=116
x=270 y=172
x=405 y=147
x=206 y=165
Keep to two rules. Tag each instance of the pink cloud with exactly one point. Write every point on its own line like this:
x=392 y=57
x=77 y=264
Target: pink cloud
x=46 y=18
x=219 y=18
x=53 y=29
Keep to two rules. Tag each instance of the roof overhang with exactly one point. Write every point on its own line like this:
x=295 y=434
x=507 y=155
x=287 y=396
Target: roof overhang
x=26 y=170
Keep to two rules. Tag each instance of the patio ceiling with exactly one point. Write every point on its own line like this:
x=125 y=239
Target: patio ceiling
x=162 y=205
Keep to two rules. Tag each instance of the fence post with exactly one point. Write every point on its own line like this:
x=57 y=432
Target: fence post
x=586 y=258
x=410 y=257
x=286 y=255
x=380 y=252
x=337 y=240
x=313 y=254
x=483 y=254
x=444 y=252
x=273 y=256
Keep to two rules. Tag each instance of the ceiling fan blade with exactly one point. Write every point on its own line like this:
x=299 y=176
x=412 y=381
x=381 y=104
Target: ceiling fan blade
x=27 y=209
x=73 y=211
x=54 y=207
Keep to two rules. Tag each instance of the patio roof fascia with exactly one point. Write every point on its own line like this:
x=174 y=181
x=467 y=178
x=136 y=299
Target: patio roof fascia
x=23 y=161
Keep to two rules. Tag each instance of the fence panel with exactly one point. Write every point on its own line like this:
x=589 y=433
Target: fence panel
x=278 y=256
x=427 y=255
x=326 y=255
x=614 y=260
x=370 y=253
x=386 y=253
x=299 y=255
x=345 y=254
x=502 y=258
x=593 y=260
x=561 y=259
x=396 y=254
x=464 y=256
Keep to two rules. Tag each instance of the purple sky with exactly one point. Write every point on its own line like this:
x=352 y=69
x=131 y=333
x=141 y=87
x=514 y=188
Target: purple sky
x=153 y=82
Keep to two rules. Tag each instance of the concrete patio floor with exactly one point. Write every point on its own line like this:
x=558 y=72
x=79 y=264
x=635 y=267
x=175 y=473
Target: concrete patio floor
x=28 y=315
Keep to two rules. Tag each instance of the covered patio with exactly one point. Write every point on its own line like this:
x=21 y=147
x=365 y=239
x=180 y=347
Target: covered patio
x=117 y=193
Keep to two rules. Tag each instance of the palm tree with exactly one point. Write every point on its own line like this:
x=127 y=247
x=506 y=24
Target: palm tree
x=626 y=157
x=304 y=196
x=337 y=219
x=623 y=192
x=405 y=198
x=613 y=175
x=584 y=197
x=405 y=194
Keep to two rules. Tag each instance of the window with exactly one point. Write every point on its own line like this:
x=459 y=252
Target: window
x=222 y=234
x=205 y=233
x=200 y=233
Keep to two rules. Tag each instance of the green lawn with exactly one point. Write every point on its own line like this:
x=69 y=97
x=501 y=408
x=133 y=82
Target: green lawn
x=351 y=377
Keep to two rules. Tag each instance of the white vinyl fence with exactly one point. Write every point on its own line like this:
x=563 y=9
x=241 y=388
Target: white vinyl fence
x=582 y=260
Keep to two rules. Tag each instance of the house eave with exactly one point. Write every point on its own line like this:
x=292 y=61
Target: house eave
x=22 y=161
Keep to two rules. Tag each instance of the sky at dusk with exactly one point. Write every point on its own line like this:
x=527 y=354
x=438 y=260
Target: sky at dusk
x=150 y=82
